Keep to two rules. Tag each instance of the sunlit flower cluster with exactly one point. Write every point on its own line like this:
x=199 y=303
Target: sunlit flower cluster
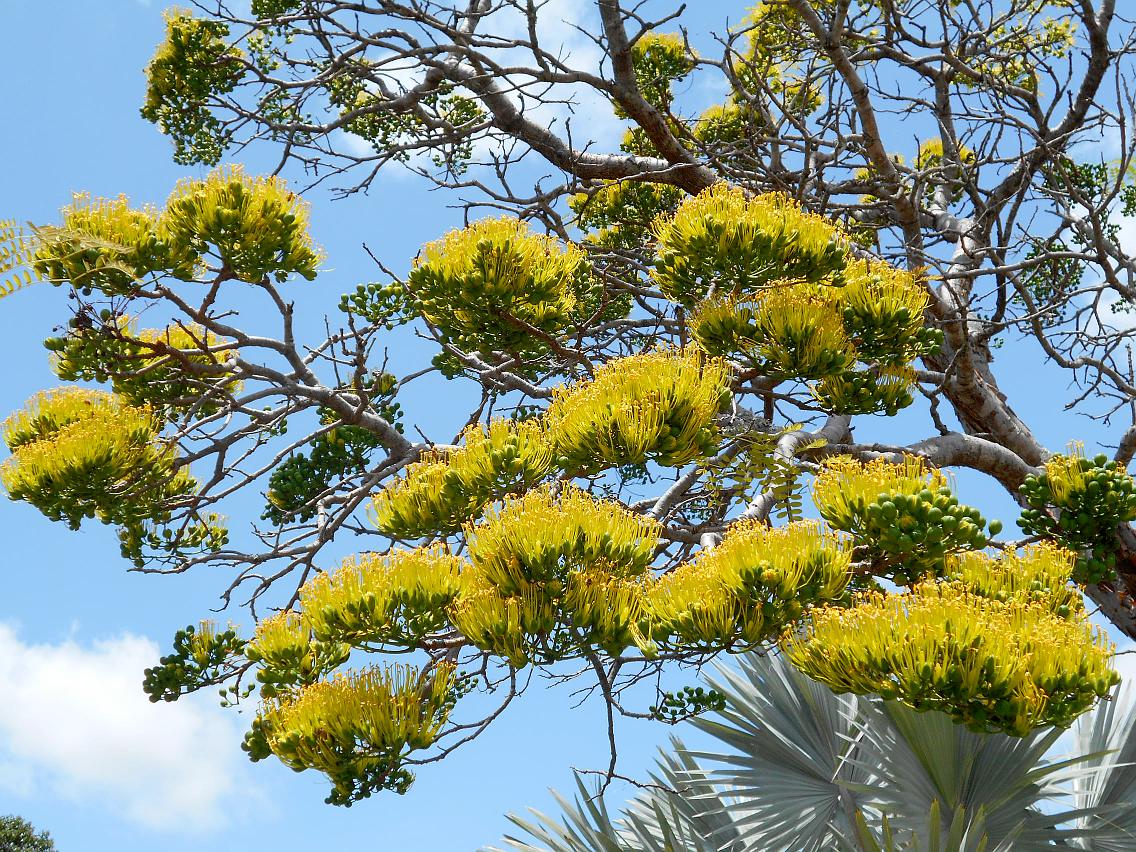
x=658 y=406
x=722 y=240
x=358 y=727
x=993 y=665
x=748 y=587
x=488 y=286
x=86 y=454
x=257 y=227
x=903 y=512
x=445 y=489
x=397 y=598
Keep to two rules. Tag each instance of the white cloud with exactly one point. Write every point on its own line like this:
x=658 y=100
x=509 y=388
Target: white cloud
x=74 y=720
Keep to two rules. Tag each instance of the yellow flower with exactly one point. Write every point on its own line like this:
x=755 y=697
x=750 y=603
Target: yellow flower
x=399 y=597
x=487 y=285
x=444 y=490
x=724 y=240
x=995 y=666
x=749 y=586
x=256 y=226
x=657 y=406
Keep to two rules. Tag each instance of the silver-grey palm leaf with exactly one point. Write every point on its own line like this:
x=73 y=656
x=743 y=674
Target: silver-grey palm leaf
x=804 y=769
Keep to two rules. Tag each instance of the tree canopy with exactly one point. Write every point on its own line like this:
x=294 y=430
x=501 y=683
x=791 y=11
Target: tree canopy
x=670 y=343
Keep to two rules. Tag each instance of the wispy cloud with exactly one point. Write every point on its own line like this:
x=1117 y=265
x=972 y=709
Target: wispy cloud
x=74 y=723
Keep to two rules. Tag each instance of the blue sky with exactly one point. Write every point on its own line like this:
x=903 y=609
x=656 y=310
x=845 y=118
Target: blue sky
x=82 y=753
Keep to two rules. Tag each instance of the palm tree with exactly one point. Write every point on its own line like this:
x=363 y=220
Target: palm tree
x=803 y=769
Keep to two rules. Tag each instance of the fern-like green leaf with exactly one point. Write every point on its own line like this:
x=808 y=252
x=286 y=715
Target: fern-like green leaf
x=17 y=247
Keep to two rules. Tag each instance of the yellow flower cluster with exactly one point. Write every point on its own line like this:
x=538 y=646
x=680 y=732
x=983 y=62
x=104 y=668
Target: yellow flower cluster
x=800 y=335
x=357 y=728
x=396 y=598
x=486 y=286
x=542 y=537
x=747 y=588
x=902 y=513
x=515 y=627
x=105 y=244
x=659 y=60
x=819 y=331
x=658 y=406
x=49 y=411
x=882 y=310
x=282 y=641
x=1039 y=575
x=930 y=155
x=993 y=665
x=446 y=489
x=257 y=226
x=547 y=559
x=725 y=124
x=845 y=488
x=80 y=453
x=724 y=240
x=611 y=611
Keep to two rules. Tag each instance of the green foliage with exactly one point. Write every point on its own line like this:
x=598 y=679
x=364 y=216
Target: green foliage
x=795 y=767
x=19 y=835
x=17 y=248
x=1078 y=503
x=202 y=656
x=192 y=66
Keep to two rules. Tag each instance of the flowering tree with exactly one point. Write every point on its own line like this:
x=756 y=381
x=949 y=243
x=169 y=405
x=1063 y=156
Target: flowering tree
x=671 y=342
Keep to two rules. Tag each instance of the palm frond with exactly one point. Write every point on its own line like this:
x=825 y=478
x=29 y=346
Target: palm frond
x=787 y=765
x=1107 y=735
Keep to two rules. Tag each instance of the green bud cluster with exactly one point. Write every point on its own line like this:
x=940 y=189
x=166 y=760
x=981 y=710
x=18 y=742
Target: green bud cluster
x=687 y=703
x=915 y=532
x=1079 y=503
x=192 y=65
x=295 y=485
x=266 y=9
x=151 y=367
x=201 y=657
x=864 y=392
x=889 y=337
x=386 y=305
x=140 y=541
